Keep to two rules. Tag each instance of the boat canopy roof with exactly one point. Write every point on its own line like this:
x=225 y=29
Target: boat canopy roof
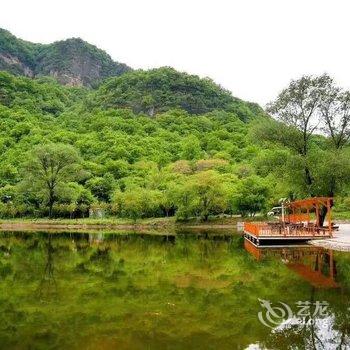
x=311 y=202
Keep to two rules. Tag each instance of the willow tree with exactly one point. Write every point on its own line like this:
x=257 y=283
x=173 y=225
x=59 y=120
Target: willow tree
x=49 y=167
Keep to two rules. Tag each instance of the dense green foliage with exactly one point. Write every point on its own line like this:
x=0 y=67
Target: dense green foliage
x=313 y=115
x=64 y=56
x=172 y=163
x=23 y=50
x=129 y=164
x=158 y=90
x=42 y=96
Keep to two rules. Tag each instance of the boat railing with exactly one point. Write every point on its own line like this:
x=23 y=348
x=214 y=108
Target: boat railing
x=263 y=229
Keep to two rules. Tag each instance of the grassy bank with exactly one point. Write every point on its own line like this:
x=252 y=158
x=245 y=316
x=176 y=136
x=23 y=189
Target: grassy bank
x=342 y=215
x=91 y=221
x=124 y=223
x=117 y=223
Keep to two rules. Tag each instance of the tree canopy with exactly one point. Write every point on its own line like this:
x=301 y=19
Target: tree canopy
x=158 y=90
x=175 y=162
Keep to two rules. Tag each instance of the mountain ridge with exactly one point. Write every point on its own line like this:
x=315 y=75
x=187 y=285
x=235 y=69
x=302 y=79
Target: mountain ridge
x=75 y=62
x=160 y=89
x=72 y=62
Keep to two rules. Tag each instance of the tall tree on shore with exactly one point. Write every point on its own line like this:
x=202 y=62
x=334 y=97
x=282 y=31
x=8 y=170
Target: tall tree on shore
x=298 y=106
x=335 y=114
x=49 y=167
x=335 y=117
x=308 y=105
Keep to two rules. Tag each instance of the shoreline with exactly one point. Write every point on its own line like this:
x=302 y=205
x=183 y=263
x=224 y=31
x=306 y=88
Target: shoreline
x=56 y=225
x=339 y=242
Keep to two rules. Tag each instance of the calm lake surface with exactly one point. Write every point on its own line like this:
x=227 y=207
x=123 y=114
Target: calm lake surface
x=203 y=290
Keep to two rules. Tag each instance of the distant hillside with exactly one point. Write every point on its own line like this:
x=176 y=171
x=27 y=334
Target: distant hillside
x=158 y=90
x=37 y=96
x=72 y=62
x=132 y=164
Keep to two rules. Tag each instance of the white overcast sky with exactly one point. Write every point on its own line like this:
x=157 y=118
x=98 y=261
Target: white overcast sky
x=251 y=47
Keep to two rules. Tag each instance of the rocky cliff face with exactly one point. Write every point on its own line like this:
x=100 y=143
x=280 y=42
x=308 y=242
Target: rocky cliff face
x=72 y=61
x=14 y=65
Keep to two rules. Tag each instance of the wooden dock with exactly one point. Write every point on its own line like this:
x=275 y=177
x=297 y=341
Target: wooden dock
x=261 y=233
x=296 y=225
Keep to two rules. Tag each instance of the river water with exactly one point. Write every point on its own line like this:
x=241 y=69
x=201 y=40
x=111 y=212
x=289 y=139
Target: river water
x=184 y=290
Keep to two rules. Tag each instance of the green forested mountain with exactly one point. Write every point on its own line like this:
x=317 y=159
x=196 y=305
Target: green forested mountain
x=158 y=90
x=16 y=55
x=124 y=157
x=150 y=143
x=72 y=62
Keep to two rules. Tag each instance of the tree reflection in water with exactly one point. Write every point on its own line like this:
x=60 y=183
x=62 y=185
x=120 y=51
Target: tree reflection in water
x=48 y=285
x=318 y=267
x=185 y=290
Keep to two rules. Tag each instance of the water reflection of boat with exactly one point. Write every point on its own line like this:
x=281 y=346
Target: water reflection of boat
x=315 y=265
